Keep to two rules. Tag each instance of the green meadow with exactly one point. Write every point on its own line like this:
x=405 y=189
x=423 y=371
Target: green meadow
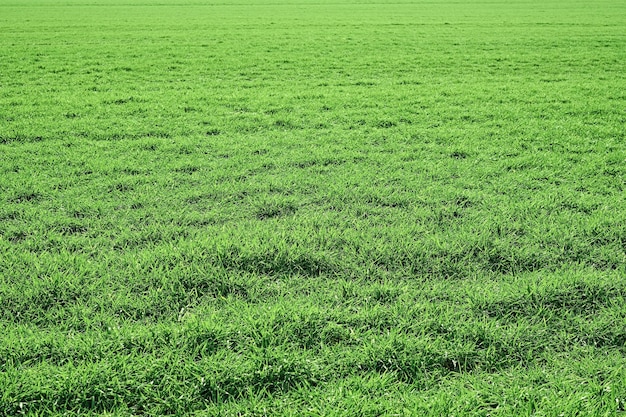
x=298 y=208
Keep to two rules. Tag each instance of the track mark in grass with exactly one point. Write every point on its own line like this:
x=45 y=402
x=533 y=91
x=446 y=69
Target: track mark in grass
x=124 y=100
x=459 y=154
x=17 y=236
x=121 y=187
x=25 y=197
x=385 y=124
x=122 y=136
x=418 y=361
x=305 y=164
x=148 y=238
x=392 y=201
x=213 y=132
x=20 y=138
x=581 y=298
x=273 y=261
x=71 y=228
x=409 y=82
x=44 y=302
x=611 y=335
x=265 y=374
x=131 y=171
x=187 y=169
x=82 y=212
x=506 y=259
x=150 y=146
x=446 y=216
x=272 y=210
x=216 y=284
x=15 y=169
x=324 y=162
x=199 y=198
x=312 y=330
x=285 y=124
x=186 y=149
x=11 y=215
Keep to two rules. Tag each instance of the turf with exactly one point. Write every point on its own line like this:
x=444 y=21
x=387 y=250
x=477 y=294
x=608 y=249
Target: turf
x=296 y=208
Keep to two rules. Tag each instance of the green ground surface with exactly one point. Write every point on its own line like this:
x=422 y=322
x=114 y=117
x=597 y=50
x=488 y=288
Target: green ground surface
x=330 y=208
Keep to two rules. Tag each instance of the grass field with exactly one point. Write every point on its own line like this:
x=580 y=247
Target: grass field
x=312 y=208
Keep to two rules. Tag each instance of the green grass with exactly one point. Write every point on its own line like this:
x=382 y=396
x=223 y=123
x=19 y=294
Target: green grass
x=296 y=208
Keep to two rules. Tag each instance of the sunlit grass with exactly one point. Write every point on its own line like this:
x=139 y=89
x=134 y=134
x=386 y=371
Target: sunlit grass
x=312 y=208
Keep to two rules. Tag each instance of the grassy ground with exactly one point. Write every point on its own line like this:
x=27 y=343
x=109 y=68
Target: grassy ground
x=331 y=208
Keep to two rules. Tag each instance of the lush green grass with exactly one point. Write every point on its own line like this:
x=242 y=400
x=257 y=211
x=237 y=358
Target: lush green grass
x=294 y=208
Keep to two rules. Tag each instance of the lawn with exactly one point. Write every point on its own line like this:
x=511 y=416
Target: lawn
x=294 y=208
